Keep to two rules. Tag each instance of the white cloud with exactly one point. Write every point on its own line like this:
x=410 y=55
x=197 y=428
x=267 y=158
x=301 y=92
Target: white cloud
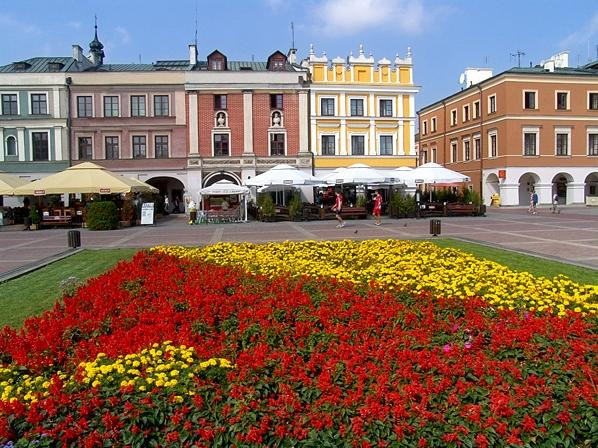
x=9 y=21
x=274 y=4
x=581 y=36
x=75 y=24
x=125 y=38
x=351 y=16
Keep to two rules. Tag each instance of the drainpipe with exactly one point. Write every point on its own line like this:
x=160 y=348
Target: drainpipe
x=308 y=84
x=481 y=144
x=69 y=81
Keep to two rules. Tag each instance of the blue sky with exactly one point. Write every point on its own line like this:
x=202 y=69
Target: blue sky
x=446 y=36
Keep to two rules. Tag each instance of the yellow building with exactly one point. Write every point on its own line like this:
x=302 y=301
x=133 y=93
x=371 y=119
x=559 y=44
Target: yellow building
x=361 y=111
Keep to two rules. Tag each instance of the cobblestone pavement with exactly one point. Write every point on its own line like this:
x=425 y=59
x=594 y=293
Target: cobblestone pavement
x=571 y=236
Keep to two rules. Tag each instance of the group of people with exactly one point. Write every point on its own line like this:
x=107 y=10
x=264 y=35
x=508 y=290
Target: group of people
x=338 y=207
x=533 y=203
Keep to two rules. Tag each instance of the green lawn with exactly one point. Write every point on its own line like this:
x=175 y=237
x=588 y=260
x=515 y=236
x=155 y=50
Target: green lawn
x=520 y=262
x=37 y=291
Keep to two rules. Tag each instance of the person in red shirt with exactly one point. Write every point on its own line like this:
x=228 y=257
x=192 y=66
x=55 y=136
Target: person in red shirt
x=337 y=208
x=377 y=207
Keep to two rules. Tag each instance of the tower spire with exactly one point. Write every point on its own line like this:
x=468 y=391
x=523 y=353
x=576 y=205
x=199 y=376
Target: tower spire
x=96 y=49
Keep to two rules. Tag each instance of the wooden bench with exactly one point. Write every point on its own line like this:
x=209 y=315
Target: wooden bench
x=56 y=221
x=431 y=210
x=460 y=209
x=354 y=212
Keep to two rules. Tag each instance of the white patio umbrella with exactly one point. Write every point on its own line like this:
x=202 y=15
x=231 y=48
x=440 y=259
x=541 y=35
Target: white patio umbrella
x=401 y=175
x=433 y=173
x=282 y=175
x=358 y=173
x=9 y=182
x=225 y=188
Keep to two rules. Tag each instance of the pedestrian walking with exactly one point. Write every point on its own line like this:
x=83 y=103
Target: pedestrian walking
x=337 y=209
x=555 y=203
x=532 y=204
x=377 y=207
x=535 y=201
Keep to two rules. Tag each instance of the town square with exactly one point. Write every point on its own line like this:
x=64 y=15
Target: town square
x=359 y=223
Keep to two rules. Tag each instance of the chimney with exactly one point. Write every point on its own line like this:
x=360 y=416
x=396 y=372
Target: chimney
x=292 y=56
x=78 y=53
x=192 y=54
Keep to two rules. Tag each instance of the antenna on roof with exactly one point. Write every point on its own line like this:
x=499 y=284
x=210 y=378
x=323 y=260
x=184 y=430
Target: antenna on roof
x=140 y=58
x=293 y=36
x=195 y=41
x=518 y=54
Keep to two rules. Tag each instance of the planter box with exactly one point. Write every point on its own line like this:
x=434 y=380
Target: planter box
x=124 y=223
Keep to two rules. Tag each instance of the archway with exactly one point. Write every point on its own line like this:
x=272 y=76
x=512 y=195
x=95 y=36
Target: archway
x=220 y=175
x=559 y=186
x=492 y=187
x=171 y=188
x=527 y=184
x=591 y=190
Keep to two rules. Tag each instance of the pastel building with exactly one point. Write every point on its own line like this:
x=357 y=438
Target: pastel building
x=361 y=111
x=523 y=130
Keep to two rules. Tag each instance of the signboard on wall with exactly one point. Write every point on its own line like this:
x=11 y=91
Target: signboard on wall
x=147 y=213
x=502 y=174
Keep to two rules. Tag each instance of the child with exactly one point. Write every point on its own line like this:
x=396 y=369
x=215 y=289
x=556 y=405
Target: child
x=377 y=207
x=337 y=208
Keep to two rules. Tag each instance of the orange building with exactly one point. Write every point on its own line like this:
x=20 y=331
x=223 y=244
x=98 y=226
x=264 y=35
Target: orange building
x=523 y=130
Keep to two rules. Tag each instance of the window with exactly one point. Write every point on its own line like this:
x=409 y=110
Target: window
x=327 y=107
x=277 y=144
x=85 y=148
x=424 y=127
x=386 y=108
x=433 y=155
x=9 y=104
x=11 y=146
x=357 y=145
x=476 y=109
x=433 y=125
x=276 y=101
x=562 y=100
x=139 y=147
x=466 y=113
x=39 y=104
x=562 y=144
x=219 y=102
x=217 y=64
x=466 y=150
x=593 y=101
x=386 y=145
x=278 y=64
x=328 y=145
x=40 y=145
x=55 y=66
x=84 y=107
x=111 y=148
x=110 y=106
x=221 y=144
x=138 y=106
x=423 y=157
x=529 y=144
x=453 y=117
x=161 y=146
x=593 y=144
x=356 y=107
x=493 y=147
x=161 y=106
x=477 y=148
x=492 y=104
x=453 y=152
x=529 y=100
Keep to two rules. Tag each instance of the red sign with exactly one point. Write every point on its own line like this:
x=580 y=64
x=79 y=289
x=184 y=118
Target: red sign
x=39 y=192
x=502 y=174
x=104 y=190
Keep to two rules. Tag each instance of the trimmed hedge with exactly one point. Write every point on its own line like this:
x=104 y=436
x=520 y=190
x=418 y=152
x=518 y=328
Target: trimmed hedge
x=102 y=215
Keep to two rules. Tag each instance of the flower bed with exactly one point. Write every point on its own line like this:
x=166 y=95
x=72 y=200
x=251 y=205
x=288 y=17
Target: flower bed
x=405 y=266
x=274 y=360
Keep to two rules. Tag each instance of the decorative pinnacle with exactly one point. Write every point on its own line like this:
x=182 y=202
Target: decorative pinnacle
x=361 y=52
x=311 y=49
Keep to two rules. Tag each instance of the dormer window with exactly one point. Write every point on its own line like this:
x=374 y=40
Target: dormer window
x=21 y=65
x=55 y=66
x=277 y=61
x=278 y=65
x=216 y=61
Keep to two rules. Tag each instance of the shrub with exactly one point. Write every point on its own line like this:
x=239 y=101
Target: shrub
x=128 y=210
x=295 y=206
x=266 y=206
x=401 y=206
x=34 y=215
x=102 y=215
x=361 y=201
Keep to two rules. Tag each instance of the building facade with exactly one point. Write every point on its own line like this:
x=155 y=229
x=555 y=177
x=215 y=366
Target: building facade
x=523 y=130
x=361 y=111
x=33 y=116
x=244 y=118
